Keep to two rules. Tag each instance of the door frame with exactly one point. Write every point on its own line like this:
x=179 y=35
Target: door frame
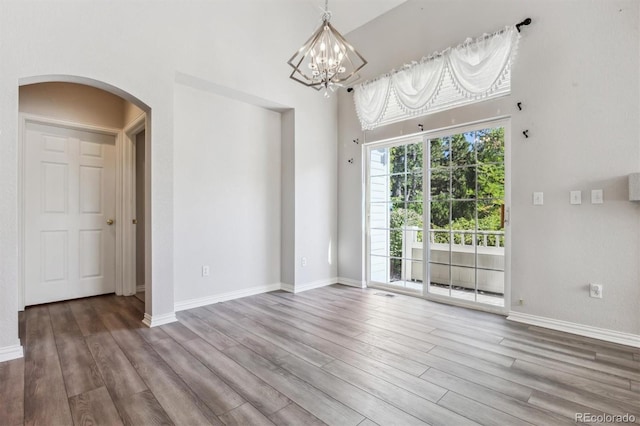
x=501 y=121
x=23 y=120
x=129 y=282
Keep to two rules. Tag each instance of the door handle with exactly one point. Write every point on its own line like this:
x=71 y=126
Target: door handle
x=109 y=221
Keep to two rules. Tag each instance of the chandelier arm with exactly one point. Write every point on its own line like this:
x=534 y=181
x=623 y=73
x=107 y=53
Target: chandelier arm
x=346 y=43
x=329 y=57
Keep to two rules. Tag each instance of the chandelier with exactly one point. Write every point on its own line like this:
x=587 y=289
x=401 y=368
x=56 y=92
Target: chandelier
x=326 y=61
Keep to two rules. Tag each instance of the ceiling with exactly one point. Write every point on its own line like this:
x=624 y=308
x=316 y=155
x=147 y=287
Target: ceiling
x=347 y=15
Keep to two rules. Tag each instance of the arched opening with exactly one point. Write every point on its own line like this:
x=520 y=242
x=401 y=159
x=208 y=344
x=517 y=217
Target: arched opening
x=84 y=179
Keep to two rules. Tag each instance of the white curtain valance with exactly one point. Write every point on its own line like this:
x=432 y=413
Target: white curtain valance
x=477 y=69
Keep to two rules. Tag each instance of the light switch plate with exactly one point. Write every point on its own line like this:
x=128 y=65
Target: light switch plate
x=576 y=197
x=538 y=198
x=597 y=196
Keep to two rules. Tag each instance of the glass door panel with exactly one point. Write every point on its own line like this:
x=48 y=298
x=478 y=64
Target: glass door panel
x=466 y=237
x=395 y=208
x=436 y=215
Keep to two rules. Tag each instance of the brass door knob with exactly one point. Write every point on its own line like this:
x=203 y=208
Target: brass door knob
x=109 y=221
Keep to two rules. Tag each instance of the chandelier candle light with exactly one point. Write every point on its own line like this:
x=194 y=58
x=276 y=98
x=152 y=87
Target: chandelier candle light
x=327 y=60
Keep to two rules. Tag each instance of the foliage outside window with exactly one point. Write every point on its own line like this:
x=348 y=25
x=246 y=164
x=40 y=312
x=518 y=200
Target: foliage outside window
x=467 y=187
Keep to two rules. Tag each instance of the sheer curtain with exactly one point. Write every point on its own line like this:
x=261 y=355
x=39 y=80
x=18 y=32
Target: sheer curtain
x=475 y=70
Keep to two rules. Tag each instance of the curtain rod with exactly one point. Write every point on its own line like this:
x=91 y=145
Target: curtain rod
x=527 y=21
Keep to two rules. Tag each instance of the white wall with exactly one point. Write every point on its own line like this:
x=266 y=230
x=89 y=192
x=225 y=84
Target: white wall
x=577 y=76
x=75 y=103
x=227 y=194
x=137 y=49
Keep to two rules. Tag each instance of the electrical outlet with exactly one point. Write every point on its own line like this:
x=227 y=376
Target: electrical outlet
x=521 y=301
x=595 y=290
x=576 y=197
x=303 y=262
x=538 y=198
x=597 y=196
x=205 y=270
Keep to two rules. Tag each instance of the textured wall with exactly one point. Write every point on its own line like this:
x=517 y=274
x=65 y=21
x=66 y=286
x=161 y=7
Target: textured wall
x=577 y=75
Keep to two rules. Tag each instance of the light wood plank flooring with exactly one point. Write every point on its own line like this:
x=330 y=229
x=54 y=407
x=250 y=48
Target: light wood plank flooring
x=335 y=355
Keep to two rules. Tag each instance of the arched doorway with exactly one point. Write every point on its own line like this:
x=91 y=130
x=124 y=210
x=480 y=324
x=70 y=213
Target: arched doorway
x=77 y=197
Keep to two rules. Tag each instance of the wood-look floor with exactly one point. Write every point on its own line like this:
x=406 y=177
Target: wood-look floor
x=335 y=355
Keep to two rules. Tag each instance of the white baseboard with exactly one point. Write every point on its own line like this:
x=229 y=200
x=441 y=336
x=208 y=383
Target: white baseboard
x=140 y=288
x=157 y=320
x=287 y=287
x=308 y=286
x=8 y=353
x=579 y=329
x=352 y=283
x=210 y=300
x=231 y=295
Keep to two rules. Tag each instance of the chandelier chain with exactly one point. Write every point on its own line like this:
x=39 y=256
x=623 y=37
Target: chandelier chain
x=326 y=16
x=326 y=61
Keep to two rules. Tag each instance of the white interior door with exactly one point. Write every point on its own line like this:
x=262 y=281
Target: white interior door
x=69 y=213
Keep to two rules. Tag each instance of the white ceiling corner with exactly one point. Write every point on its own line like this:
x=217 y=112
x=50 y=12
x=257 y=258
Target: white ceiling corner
x=347 y=15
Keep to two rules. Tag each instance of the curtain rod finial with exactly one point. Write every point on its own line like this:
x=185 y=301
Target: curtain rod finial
x=525 y=22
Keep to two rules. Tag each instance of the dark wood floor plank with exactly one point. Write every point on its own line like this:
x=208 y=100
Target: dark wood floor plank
x=260 y=394
x=499 y=401
x=45 y=396
x=244 y=415
x=301 y=392
x=86 y=316
x=133 y=319
x=62 y=320
x=94 y=408
x=180 y=403
x=79 y=369
x=213 y=391
x=119 y=376
x=142 y=409
x=294 y=415
x=12 y=392
x=408 y=402
x=334 y=355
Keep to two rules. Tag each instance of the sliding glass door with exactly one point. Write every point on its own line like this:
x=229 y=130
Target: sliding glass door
x=435 y=206
x=396 y=210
